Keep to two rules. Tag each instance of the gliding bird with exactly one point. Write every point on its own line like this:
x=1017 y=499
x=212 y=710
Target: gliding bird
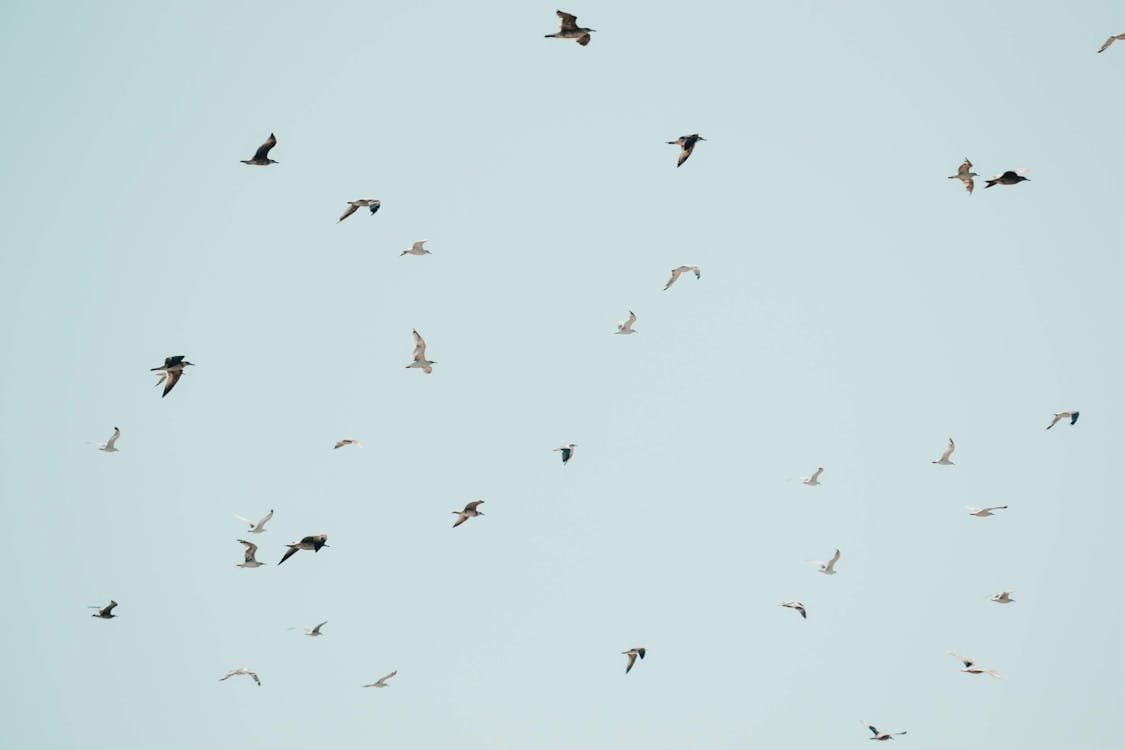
x=679 y=270
x=1071 y=415
x=971 y=667
x=687 y=145
x=797 y=606
x=1110 y=41
x=371 y=203
x=170 y=372
x=964 y=175
x=260 y=526
x=382 y=681
x=248 y=559
x=416 y=249
x=569 y=29
x=633 y=653
x=1011 y=177
x=420 y=360
x=470 y=511
x=626 y=327
x=944 y=460
x=983 y=512
x=313 y=542
x=828 y=568
x=106 y=612
x=261 y=156
x=814 y=480
x=109 y=445
x=239 y=671
x=881 y=736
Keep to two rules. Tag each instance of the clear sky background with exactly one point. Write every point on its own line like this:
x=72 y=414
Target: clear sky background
x=856 y=309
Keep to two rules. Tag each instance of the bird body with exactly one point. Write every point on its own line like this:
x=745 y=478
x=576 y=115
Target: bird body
x=680 y=270
x=567 y=451
x=170 y=372
x=261 y=156
x=829 y=568
x=248 y=559
x=240 y=671
x=632 y=655
x=1004 y=597
x=881 y=736
x=797 y=606
x=382 y=681
x=569 y=29
x=420 y=360
x=964 y=175
x=626 y=327
x=1011 y=177
x=312 y=542
x=109 y=446
x=256 y=527
x=470 y=511
x=687 y=145
x=983 y=512
x=944 y=460
x=1071 y=415
x=814 y=479
x=416 y=249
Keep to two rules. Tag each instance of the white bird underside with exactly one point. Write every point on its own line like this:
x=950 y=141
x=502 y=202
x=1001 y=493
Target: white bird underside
x=470 y=511
x=944 y=460
x=256 y=527
x=632 y=655
x=984 y=512
x=829 y=568
x=419 y=356
x=109 y=446
x=797 y=606
x=626 y=327
x=241 y=671
x=814 y=479
x=416 y=249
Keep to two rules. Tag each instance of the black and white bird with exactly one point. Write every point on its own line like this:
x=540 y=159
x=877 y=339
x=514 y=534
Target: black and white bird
x=171 y=372
x=420 y=360
x=106 y=612
x=881 y=736
x=1111 y=40
x=241 y=671
x=248 y=559
x=944 y=460
x=569 y=29
x=687 y=145
x=828 y=568
x=256 y=527
x=110 y=446
x=1011 y=177
x=312 y=542
x=626 y=327
x=1071 y=415
x=315 y=632
x=1004 y=597
x=814 y=479
x=372 y=205
x=680 y=270
x=382 y=681
x=632 y=655
x=347 y=441
x=416 y=249
x=261 y=156
x=470 y=511
x=965 y=175
x=984 y=512
x=567 y=451
x=971 y=667
x=797 y=606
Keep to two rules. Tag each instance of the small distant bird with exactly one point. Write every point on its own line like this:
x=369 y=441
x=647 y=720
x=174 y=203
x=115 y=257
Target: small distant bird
x=687 y=145
x=1004 y=597
x=470 y=511
x=313 y=542
x=1011 y=177
x=109 y=446
x=171 y=371
x=261 y=156
x=814 y=480
x=1071 y=415
x=1110 y=41
x=420 y=360
x=416 y=249
x=881 y=736
x=567 y=451
x=982 y=512
x=633 y=653
x=944 y=460
x=347 y=441
x=315 y=632
x=371 y=203
x=248 y=560
x=569 y=29
x=828 y=568
x=626 y=327
x=964 y=175
x=676 y=274
x=797 y=606
x=971 y=666
x=382 y=681
x=258 y=527
x=241 y=670
x=106 y=612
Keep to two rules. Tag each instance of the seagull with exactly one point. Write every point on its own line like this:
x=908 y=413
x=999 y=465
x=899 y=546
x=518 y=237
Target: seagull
x=676 y=274
x=971 y=667
x=469 y=512
x=313 y=542
x=1011 y=177
x=569 y=29
x=567 y=451
x=261 y=156
x=260 y=526
x=110 y=446
x=687 y=145
x=382 y=681
x=626 y=327
x=982 y=512
x=881 y=736
x=416 y=249
x=171 y=371
x=797 y=606
x=1110 y=41
x=315 y=632
x=633 y=653
x=106 y=612
x=964 y=175
x=353 y=206
x=420 y=360
x=1071 y=415
x=347 y=441
x=944 y=460
x=1004 y=597
x=828 y=568
x=814 y=480
x=248 y=555
x=241 y=670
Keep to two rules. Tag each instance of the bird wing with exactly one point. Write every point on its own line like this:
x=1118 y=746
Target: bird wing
x=568 y=22
x=964 y=659
x=1073 y=417
x=675 y=275
x=107 y=608
x=418 y=245
x=419 y=347
x=244 y=519
x=963 y=170
x=265 y=518
x=255 y=676
x=289 y=553
x=834 y=560
x=1110 y=41
x=474 y=504
x=171 y=377
x=264 y=150
x=318 y=627
x=969 y=184
x=112 y=439
x=874 y=731
x=351 y=209
x=632 y=319
x=1056 y=418
x=251 y=548
x=948 y=451
x=373 y=206
x=685 y=152
x=461 y=518
x=816 y=474
x=384 y=678
x=632 y=660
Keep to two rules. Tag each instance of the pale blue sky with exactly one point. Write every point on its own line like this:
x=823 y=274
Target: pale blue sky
x=856 y=309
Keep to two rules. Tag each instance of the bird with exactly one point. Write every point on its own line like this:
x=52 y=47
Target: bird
x=626 y=327
x=171 y=371
x=797 y=606
x=470 y=511
x=1004 y=597
x=1011 y=177
x=353 y=206
x=567 y=451
x=420 y=360
x=633 y=653
x=944 y=460
x=416 y=249
x=1110 y=41
x=971 y=666
x=260 y=526
x=814 y=480
x=347 y=441
x=313 y=542
x=569 y=29
x=687 y=145
x=106 y=612
x=382 y=681
x=828 y=568
x=248 y=560
x=241 y=670
x=982 y=512
x=261 y=156
x=110 y=446
x=881 y=736
x=679 y=270
x=964 y=175
x=1071 y=415
x=315 y=632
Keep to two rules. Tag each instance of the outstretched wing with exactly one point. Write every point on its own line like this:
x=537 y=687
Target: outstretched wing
x=263 y=151
x=351 y=209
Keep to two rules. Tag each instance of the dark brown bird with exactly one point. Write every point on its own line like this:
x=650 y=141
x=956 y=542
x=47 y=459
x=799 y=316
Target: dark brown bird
x=105 y=612
x=1011 y=177
x=171 y=371
x=261 y=156
x=569 y=29
x=313 y=542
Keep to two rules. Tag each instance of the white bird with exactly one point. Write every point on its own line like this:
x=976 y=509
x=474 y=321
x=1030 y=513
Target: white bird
x=314 y=632
x=239 y=671
x=470 y=511
x=881 y=736
x=626 y=327
x=971 y=667
x=110 y=446
x=416 y=249
x=567 y=451
x=1110 y=41
x=312 y=542
x=1071 y=415
x=828 y=568
x=347 y=441
x=260 y=526
x=382 y=681
x=983 y=512
x=680 y=270
x=248 y=560
x=1004 y=597
x=814 y=480
x=797 y=606
x=371 y=203
x=964 y=175
x=106 y=612
x=420 y=360
x=944 y=460
x=633 y=653
x=687 y=145
x=569 y=29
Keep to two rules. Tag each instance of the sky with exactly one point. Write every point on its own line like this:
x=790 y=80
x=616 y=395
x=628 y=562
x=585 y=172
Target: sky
x=856 y=310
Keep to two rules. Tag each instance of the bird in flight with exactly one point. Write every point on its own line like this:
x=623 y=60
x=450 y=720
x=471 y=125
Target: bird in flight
x=313 y=542
x=828 y=568
x=983 y=512
x=382 y=681
x=420 y=360
x=1071 y=415
x=372 y=205
x=261 y=156
x=347 y=441
x=814 y=480
x=633 y=653
x=315 y=632
x=260 y=526
x=170 y=372
x=1004 y=597
x=1111 y=40
x=241 y=670
x=569 y=29
x=110 y=446
x=248 y=560
x=881 y=736
x=971 y=667
x=687 y=145
x=964 y=175
x=470 y=511
x=106 y=612
x=797 y=606
x=944 y=460
x=1011 y=177
x=567 y=451
x=416 y=249
x=626 y=327
x=676 y=274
